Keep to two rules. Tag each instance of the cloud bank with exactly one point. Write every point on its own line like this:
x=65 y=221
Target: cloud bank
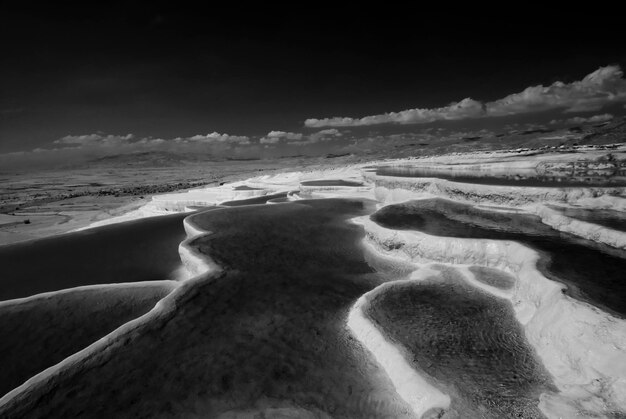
x=467 y=108
x=95 y=139
x=603 y=87
x=274 y=137
x=216 y=137
x=80 y=148
x=108 y=140
x=75 y=149
x=581 y=120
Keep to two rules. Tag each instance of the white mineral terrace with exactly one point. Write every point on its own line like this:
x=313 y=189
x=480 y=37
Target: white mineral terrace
x=581 y=346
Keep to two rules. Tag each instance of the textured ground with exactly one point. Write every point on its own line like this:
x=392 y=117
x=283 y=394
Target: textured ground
x=457 y=300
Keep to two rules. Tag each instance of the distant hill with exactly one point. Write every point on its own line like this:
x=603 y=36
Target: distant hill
x=585 y=134
x=148 y=159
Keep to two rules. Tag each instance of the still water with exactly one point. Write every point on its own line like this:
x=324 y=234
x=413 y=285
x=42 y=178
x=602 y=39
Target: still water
x=613 y=219
x=592 y=272
x=519 y=178
x=467 y=342
x=134 y=251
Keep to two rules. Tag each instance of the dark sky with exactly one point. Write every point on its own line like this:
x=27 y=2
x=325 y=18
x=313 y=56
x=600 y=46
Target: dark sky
x=168 y=69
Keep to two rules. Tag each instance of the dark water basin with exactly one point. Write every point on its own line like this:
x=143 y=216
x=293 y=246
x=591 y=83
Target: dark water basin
x=42 y=332
x=134 y=251
x=330 y=182
x=278 y=200
x=525 y=178
x=467 y=342
x=593 y=272
x=269 y=329
x=613 y=219
x=254 y=201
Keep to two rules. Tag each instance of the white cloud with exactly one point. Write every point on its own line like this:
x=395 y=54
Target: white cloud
x=95 y=139
x=269 y=140
x=600 y=118
x=467 y=108
x=82 y=148
x=151 y=141
x=596 y=90
x=220 y=138
x=323 y=135
x=287 y=135
x=297 y=139
x=331 y=131
x=274 y=137
x=581 y=120
x=107 y=140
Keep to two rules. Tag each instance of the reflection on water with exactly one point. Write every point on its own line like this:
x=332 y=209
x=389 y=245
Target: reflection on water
x=604 y=217
x=254 y=201
x=592 y=271
x=278 y=200
x=330 y=182
x=246 y=188
x=468 y=342
x=134 y=251
x=528 y=177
